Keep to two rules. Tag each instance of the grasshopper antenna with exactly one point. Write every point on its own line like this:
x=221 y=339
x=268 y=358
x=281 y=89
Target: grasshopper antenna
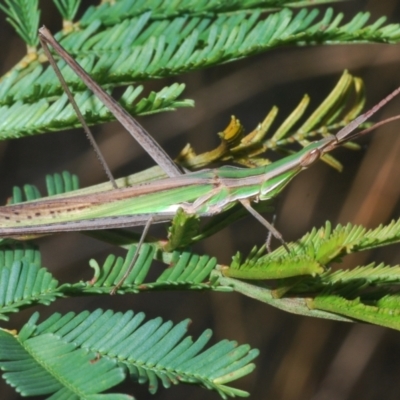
x=367 y=130
x=343 y=134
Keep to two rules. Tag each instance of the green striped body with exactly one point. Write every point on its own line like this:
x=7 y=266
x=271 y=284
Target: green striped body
x=203 y=193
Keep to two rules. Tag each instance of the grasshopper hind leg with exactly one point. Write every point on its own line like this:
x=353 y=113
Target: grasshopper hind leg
x=135 y=256
x=273 y=231
x=269 y=237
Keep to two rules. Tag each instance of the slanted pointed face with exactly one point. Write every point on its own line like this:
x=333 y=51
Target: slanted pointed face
x=310 y=158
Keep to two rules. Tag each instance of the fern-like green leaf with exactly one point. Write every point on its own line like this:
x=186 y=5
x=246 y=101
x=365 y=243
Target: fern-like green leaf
x=343 y=104
x=323 y=246
x=327 y=294
x=375 y=314
x=23 y=119
x=67 y=8
x=23 y=280
x=117 y=49
x=41 y=365
x=185 y=271
x=110 y=13
x=24 y=16
x=98 y=344
x=361 y=277
x=257 y=267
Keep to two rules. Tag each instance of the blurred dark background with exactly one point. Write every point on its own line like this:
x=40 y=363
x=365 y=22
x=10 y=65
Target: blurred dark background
x=301 y=358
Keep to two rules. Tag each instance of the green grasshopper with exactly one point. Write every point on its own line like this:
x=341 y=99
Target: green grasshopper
x=204 y=193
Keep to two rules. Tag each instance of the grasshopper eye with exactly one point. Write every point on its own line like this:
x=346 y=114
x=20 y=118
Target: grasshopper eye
x=310 y=158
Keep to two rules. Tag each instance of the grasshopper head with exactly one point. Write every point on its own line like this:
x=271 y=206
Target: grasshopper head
x=314 y=151
x=310 y=158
